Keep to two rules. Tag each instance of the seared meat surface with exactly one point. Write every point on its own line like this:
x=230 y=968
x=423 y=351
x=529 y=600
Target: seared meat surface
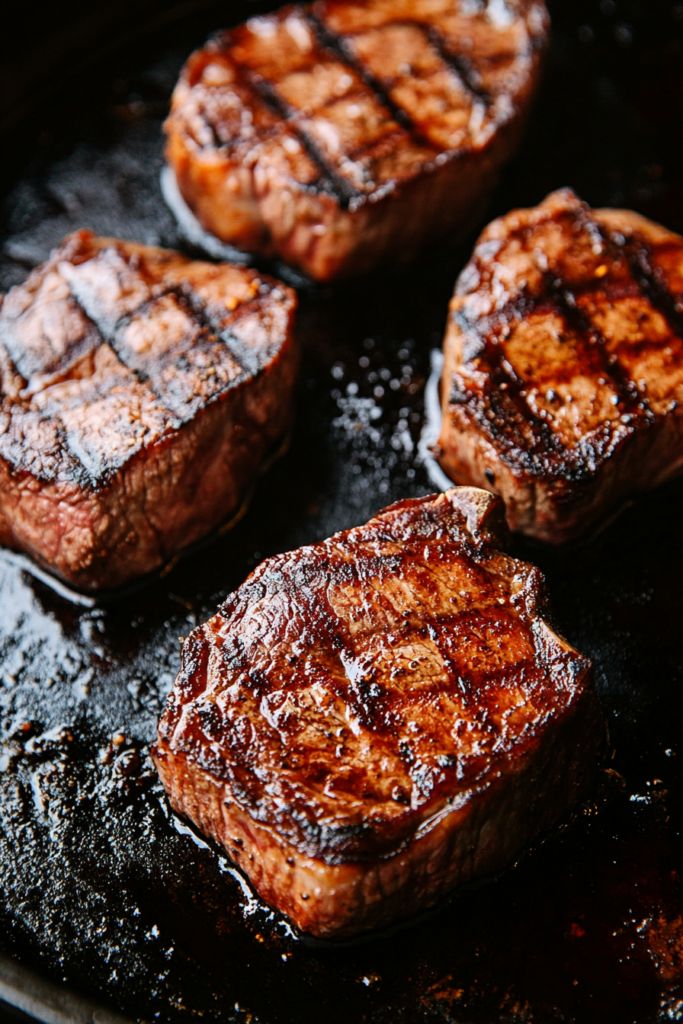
x=562 y=388
x=341 y=134
x=372 y=720
x=140 y=392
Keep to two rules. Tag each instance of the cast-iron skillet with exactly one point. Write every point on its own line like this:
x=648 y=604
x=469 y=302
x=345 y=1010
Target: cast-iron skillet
x=102 y=890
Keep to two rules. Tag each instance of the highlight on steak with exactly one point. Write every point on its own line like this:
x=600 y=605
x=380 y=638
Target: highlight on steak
x=372 y=720
x=342 y=134
x=562 y=387
x=141 y=391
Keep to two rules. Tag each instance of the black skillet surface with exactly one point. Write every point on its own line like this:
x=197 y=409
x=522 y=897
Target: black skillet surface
x=100 y=887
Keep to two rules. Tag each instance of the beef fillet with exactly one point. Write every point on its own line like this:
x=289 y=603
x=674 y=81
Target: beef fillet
x=140 y=392
x=562 y=388
x=341 y=134
x=372 y=720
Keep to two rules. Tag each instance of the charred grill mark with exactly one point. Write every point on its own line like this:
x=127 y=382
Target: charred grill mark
x=577 y=320
x=332 y=182
x=216 y=142
x=337 y=46
x=458 y=63
x=197 y=308
x=455 y=62
x=639 y=256
x=505 y=403
x=197 y=314
x=113 y=339
x=111 y=336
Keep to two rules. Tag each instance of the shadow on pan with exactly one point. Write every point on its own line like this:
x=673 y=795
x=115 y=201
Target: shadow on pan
x=101 y=890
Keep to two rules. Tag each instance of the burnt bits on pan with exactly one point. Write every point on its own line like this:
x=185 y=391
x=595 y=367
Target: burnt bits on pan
x=340 y=135
x=140 y=393
x=562 y=388
x=371 y=720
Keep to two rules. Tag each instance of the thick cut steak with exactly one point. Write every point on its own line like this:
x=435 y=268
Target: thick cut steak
x=372 y=720
x=140 y=392
x=562 y=388
x=342 y=134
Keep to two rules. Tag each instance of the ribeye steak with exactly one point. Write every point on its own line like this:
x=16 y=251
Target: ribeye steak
x=369 y=721
x=140 y=393
x=342 y=134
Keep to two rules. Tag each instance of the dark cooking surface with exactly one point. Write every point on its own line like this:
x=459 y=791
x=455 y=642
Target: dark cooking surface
x=98 y=885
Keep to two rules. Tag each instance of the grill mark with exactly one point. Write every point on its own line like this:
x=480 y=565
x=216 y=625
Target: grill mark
x=543 y=434
x=227 y=337
x=639 y=255
x=215 y=141
x=80 y=473
x=199 y=313
x=459 y=64
x=335 y=44
x=198 y=310
x=633 y=403
x=578 y=321
x=73 y=352
x=575 y=318
x=141 y=377
x=343 y=192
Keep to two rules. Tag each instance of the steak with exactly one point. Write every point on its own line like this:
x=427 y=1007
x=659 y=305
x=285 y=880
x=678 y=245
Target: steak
x=372 y=720
x=342 y=134
x=140 y=393
x=562 y=388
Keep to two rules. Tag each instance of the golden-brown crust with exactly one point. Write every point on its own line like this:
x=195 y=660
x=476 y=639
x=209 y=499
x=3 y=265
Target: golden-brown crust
x=140 y=391
x=354 y=723
x=335 y=133
x=563 y=376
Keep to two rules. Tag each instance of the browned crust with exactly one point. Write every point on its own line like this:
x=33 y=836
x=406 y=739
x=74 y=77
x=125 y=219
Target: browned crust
x=139 y=425
x=351 y=801
x=300 y=133
x=482 y=836
x=562 y=385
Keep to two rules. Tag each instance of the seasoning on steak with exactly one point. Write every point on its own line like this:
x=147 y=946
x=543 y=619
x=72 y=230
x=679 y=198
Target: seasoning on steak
x=372 y=720
x=562 y=388
x=140 y=392
x=342 y=134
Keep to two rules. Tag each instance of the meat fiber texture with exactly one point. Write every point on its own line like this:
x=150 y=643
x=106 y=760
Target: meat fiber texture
x=370 y=721
x=562 y=388
x=140 y=393
x=342 y=134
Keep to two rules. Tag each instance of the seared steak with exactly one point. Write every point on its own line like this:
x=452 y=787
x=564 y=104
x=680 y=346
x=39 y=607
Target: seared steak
x=341 y=134
x=372 y=720
x=140 y=393
x=562 y=388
